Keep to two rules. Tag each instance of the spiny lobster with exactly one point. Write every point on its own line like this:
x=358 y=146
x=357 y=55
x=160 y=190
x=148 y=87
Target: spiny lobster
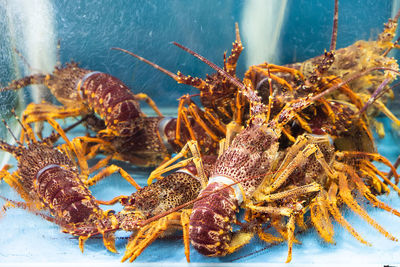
x=275 y=183
x=123 y=130
x=83 y=92
x=48 y=179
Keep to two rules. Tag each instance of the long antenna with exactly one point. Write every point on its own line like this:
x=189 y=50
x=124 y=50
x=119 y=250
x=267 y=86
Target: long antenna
x=12 y=134
x=154 y=65
x=250 y=94
x=335 y=26
x=349 y=79
x=27 y=132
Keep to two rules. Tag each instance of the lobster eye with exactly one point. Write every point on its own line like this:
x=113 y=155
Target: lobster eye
x=110 y=212
x=127 y=201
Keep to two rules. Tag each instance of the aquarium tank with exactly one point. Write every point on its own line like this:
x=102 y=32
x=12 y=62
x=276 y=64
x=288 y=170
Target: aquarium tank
x=38 y=35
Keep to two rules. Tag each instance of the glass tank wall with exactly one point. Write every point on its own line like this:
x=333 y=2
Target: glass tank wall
x=278 y=32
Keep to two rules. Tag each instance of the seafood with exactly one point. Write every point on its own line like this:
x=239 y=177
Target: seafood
x=155 y=143
x=49 y=180
x=359 y=57
x=123 y=131
x=174 y=190
x=82 y=92
x=282 y=184
x=220 y=99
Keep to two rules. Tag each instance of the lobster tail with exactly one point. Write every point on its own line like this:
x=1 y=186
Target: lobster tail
x=114 y=102
x=210 y=227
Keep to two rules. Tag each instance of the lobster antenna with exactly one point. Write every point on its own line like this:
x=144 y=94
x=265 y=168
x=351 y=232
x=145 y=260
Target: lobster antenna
x=349 y=79
x=250 y=94
x=26 y=131
x=375 y=95
x=154 y=65
x=12 y=134
x=237 y=34
x=58 y=62
x=23 y=59
x=335 y=26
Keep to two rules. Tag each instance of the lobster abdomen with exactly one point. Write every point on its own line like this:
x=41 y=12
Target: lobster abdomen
x=210 y=222
x=112 y=100
x=65 y=195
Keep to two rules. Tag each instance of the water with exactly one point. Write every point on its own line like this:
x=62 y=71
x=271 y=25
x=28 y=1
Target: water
x=279 y=32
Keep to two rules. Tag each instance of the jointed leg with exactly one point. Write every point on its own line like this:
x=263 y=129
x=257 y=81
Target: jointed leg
x=268 y=73
x=373 y=156
x=293 y=159
x=367 y=193
x=196 y=158
x=345 y=194
x=320 y=218
x=110 y=170
x=146 y=235
x=185 y=228
x=149 y=101
x=334 y=210
x=13 y=181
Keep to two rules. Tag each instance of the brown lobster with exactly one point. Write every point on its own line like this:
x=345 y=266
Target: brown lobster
x=48 y=179
x=275 y=183
x=123 y=130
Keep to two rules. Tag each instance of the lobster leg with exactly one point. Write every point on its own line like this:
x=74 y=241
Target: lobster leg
x=290 y=226
x=185 y=218
x=13 y=181
x=43 y=111
x=149 y=101
x=110 y=170
x=266 y=72
x=334 y=210
x=373 y=156
x=194 y=149
x=320 y=218
x=293 y=159
x=345 y=194
x=147 y=234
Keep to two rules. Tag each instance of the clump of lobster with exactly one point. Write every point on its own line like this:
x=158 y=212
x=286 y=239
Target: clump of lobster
x=49 y=180
x=273 y=168
x=221 y=99
x=278 y=184
x=123 y=131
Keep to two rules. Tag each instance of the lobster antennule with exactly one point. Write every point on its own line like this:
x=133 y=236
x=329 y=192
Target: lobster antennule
x=154 y=65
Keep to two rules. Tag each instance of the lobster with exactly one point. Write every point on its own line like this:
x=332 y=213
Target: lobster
x=272 y=182
x=48 y=179
x=152 y=145
x=221 y=99
x=359 y=57
x=83 y=92
x=123 y=130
